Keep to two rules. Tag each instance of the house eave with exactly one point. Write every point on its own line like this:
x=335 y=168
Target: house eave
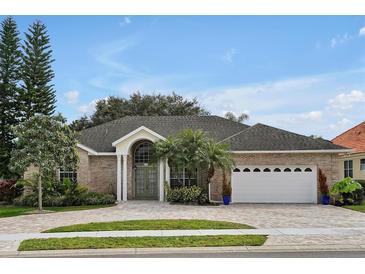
x=292 y=151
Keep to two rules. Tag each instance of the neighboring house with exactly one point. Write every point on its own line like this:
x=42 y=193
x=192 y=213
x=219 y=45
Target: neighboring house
x=352 y=164
x=272 y=165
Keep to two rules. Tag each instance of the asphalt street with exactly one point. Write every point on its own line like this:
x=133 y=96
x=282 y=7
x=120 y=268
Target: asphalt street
x=299 y=254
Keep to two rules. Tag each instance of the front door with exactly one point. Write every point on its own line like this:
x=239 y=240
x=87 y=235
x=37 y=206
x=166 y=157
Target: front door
x=145 y=173
x=146 y=182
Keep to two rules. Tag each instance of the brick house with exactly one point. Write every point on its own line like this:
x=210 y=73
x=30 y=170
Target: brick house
x=272 y=165
x=352 y=164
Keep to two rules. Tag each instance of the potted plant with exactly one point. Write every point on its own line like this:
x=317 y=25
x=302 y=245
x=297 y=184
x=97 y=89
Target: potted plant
x=226 y=193
x=323 y=188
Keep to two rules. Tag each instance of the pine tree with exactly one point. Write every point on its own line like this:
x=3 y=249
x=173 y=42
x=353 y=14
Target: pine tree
x=10 y=65
x=37 y=93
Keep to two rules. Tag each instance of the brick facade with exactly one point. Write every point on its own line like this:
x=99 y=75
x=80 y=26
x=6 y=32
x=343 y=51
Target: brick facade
x=99 y=173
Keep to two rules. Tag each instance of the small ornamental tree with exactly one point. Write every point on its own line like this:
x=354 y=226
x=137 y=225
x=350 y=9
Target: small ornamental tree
x=46 y=143
x=323 y=187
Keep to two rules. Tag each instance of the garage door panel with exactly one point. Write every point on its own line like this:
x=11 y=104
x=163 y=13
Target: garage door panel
x=274 y=187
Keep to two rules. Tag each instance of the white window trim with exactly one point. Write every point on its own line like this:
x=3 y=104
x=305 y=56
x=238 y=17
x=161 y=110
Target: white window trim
x=348 y=169
x=362 y=165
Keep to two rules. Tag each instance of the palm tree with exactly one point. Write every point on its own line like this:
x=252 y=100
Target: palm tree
x=217 y=155
x=191 y=149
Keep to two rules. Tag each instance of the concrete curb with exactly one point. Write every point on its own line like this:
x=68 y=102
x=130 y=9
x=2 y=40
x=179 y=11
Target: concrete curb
x=195 y=250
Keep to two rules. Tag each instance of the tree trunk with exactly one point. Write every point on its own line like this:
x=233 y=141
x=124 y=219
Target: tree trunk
x=40 y=207
x=210 y=174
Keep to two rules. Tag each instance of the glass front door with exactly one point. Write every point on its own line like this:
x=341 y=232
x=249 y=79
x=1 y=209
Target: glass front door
x=145 y=173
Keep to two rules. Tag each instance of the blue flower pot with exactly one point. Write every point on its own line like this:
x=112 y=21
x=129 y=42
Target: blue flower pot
x=325 y=200
x=226 y=200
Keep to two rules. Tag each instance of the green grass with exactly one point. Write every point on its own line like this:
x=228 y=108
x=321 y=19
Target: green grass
x=161 y=224
x=141 y=242
x=11 y=211
x=360 y=208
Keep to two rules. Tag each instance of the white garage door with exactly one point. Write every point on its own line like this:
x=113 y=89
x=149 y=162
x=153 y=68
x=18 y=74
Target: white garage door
x=274 y=184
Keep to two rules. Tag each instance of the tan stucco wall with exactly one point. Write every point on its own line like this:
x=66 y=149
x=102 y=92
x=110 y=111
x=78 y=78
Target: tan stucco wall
x=358 y=174
x=326 y=161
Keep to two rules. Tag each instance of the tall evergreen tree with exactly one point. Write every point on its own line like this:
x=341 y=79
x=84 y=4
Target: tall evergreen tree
x=10 y=65
x=37 y=93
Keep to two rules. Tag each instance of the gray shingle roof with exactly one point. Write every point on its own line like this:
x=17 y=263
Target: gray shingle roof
x=240 y=137
x=265 y=138
x=100 y=138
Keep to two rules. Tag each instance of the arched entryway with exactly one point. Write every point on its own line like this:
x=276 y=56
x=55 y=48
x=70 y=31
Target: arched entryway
x=145 y=173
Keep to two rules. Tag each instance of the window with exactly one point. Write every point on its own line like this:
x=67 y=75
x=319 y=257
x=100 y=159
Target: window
x=256 y=170
x=143 y=153
x=287 y=170
x=297 y=169
x=362 y=164
x=348 y=172
x=66 y=174
x=246 y=170
x=277 y=170
x=236 y=170
x=179 y=177
x=267 y=170
x=308 y=169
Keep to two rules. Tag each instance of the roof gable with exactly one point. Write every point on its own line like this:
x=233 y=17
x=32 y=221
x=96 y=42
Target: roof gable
x=353 y=138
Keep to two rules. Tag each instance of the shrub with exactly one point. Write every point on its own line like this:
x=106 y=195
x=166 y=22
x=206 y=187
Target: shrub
x=323 y=187
x=227 y=189
x=65 y=193
x=96 y=198
x=347 y=192
x=186 y=195
x=9 y=189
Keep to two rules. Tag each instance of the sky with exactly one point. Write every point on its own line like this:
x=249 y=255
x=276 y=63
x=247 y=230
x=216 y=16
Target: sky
x=304 y=74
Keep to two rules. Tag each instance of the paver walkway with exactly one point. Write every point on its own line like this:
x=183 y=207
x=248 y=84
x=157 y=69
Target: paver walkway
x=199 y=232
x=277 y=216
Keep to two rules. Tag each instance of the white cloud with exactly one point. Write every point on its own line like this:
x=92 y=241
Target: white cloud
x=111 y=56
x=88 y=108
x=341 y=125
x=346 y=101
x=312 y=115
x=340 y=39
x=72 y=96
x=125 y=21
x=362 y=31
x=228 y=55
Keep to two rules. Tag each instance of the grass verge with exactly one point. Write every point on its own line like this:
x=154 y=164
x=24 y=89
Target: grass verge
x=140 y=242
x=11 y=211
x=360 y=208
x=160 y=224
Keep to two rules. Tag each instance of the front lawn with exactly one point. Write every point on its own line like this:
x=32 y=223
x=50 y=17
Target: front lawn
x=161 y=224
x=360 y=208
x=11 y=211
x=141 y=242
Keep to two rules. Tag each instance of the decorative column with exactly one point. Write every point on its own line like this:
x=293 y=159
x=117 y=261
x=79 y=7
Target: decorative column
x=119 y=178
x=167 y=172
x=161 y=177
x=125 y=176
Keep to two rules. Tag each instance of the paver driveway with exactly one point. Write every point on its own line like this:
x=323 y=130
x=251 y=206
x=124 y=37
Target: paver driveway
x=258 y=215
